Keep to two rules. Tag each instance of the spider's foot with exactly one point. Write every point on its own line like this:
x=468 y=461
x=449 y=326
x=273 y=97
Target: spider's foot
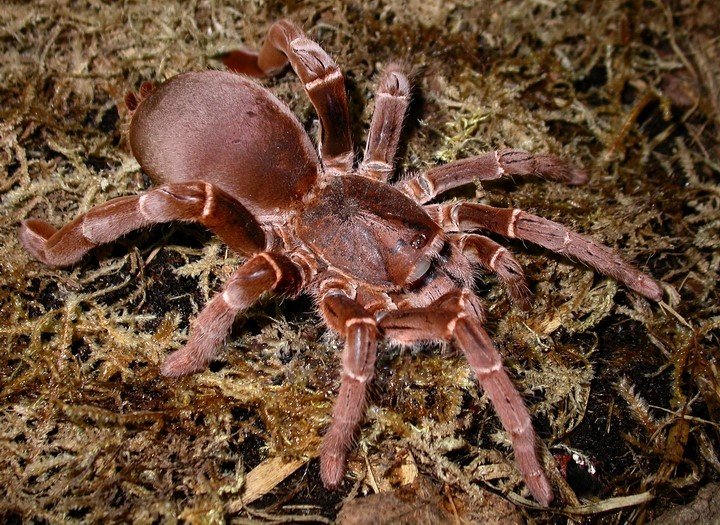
x=510 y=271
x=540 y=488
x=34 y=235
x=181 y=363
x=577 y=176
x=647 y=287
x=332 y=469
x=555 y=168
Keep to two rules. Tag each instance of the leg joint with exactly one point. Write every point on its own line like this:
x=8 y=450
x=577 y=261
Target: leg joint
x=332 y=76
x=511 y=223
x=360 y=320
x=209 y=206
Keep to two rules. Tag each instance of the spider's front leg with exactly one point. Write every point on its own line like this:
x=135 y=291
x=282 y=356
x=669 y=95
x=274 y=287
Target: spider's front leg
x=490 y=166
x=189 y=201
x=261 y=273
x=358 y=327
x=515 y=223
x=323 y=81
x=391 y=102
x=457 y=316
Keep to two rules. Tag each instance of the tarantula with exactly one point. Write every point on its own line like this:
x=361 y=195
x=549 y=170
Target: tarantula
x=377 y=258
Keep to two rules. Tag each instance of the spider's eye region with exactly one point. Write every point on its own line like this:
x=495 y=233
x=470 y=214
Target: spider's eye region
x=418 y=241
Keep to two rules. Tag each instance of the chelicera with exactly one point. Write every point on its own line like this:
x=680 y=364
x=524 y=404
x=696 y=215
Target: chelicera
x=377 y=258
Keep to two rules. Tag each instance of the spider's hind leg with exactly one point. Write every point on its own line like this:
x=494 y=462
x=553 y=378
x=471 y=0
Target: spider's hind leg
x=323 y=81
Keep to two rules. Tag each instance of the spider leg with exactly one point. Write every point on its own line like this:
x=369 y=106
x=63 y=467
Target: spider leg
x=456 y=316
x=358 y=327
x=261 y=273
x=323 y=80
x=490 y=166
x=132 y=99
x=515 y=223
x=488 y=254
x=189 y=201
x=391 y=102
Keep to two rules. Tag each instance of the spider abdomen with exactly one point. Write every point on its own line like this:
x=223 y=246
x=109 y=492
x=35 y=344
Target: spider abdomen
x=225 y=129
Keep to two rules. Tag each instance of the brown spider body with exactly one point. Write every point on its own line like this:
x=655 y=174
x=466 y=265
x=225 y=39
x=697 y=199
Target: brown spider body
x=253 y=148
x=379 y=260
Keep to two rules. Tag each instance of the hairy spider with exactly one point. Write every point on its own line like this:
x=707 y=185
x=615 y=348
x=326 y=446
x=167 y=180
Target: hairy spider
x=379 y=260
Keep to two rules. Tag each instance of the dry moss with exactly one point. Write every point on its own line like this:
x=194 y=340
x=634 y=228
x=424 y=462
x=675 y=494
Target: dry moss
x=90 y=432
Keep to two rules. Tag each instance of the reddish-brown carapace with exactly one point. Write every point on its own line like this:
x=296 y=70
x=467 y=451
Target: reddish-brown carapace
x=379 y=260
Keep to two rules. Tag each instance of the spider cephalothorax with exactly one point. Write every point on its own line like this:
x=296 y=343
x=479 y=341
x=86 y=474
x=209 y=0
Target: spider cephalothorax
x=379 y=260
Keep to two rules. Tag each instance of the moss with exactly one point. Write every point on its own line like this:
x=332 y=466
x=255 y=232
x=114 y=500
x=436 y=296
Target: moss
x=90 y=432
